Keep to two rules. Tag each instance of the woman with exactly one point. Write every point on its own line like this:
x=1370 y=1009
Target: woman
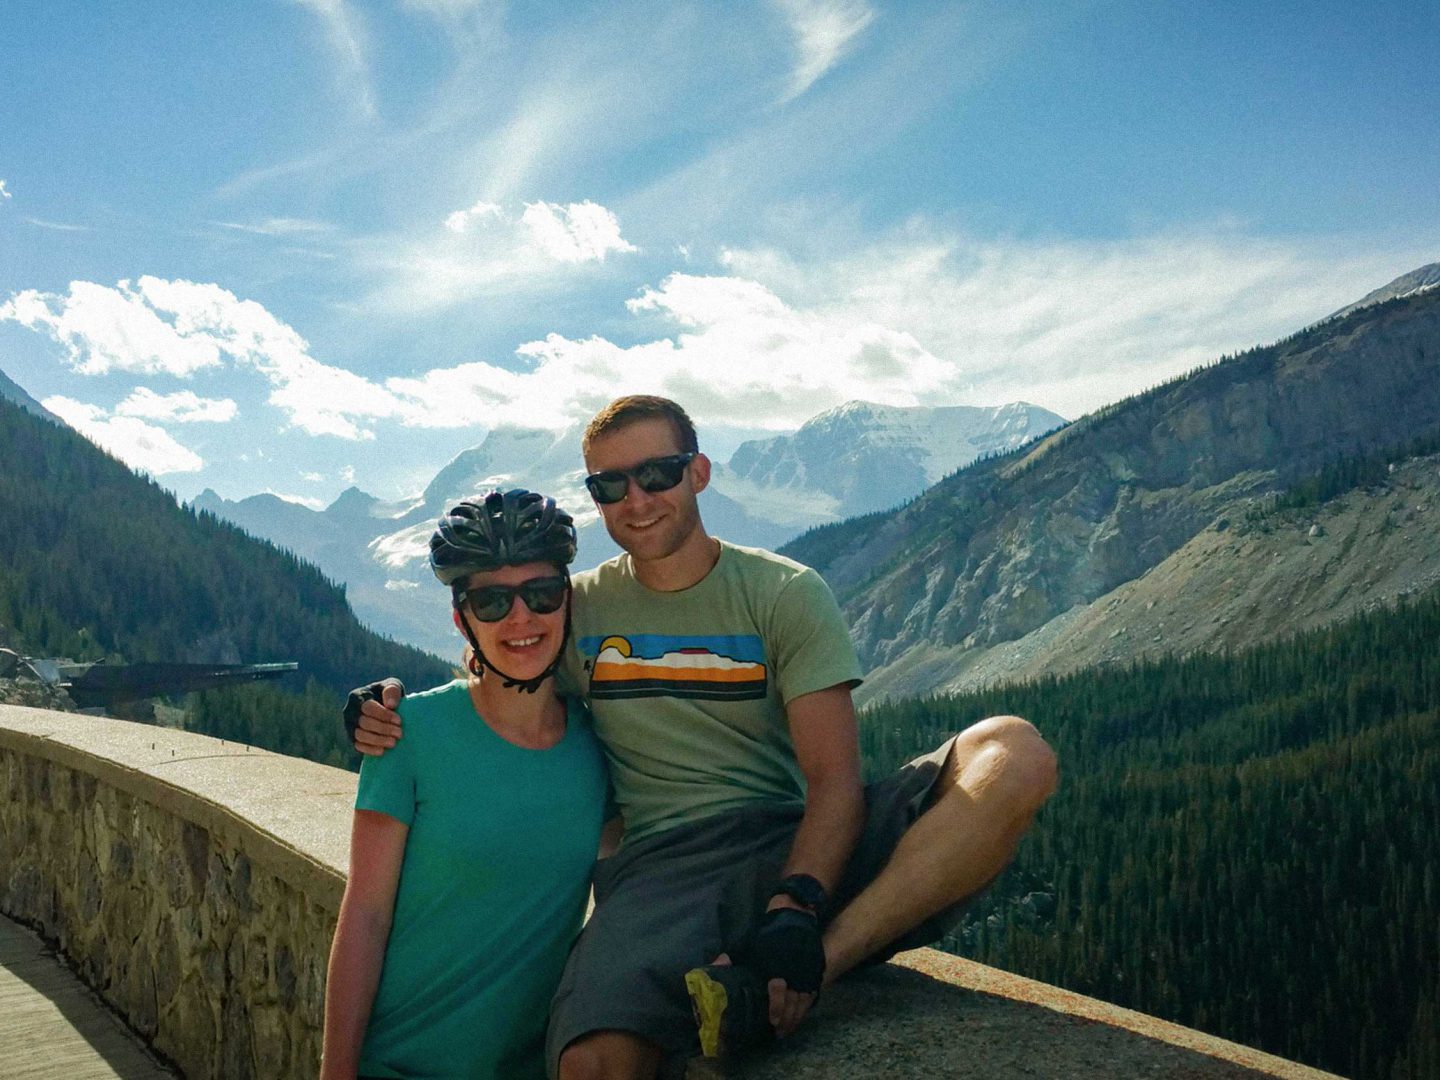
x=473 y=839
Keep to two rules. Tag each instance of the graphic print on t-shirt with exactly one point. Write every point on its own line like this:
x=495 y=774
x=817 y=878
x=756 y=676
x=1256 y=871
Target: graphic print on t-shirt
x=720 y=667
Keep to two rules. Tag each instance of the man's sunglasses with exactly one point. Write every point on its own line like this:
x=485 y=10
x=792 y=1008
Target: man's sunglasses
x=657 y=474
x=491 y=603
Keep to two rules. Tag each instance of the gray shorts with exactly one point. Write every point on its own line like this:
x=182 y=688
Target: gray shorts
x=675 y=900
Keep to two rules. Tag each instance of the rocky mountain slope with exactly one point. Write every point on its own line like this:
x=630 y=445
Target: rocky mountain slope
x=1417 y=281
x=11 y=391
x=941 y=591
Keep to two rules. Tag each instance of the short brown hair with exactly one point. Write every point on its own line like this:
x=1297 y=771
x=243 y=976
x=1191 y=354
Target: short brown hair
x=622 y=412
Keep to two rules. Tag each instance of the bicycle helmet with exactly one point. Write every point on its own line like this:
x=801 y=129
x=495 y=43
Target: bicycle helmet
x=501 y=529
x=507 y=528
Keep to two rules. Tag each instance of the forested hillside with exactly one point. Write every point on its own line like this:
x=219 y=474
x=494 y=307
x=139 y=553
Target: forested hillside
x=1246 y=844
x=98 y=562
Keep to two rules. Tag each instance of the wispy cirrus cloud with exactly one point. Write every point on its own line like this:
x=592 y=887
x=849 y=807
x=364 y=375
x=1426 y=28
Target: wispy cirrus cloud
x=57 y=226
x=280 y=226
x=825 y=31
x=345 y=31
x=4 y=190
x=140 y=445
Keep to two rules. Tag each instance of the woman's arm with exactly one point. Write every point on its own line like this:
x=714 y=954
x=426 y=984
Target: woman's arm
x=377 y=848
x=611 y=835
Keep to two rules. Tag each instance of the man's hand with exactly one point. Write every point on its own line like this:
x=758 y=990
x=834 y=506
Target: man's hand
x=787 y=952
x=370 y=717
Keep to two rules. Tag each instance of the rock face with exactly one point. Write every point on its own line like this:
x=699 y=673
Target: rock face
x=998 y=551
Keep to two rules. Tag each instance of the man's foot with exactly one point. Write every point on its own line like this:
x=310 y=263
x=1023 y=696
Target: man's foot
x=731 y=1006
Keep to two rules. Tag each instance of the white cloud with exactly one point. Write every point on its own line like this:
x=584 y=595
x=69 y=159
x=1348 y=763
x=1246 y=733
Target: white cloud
x=484 y=248
x=4 y=191
x=184 y=407
x=579 y=232
x=181 y=327
x=138 y=444
x=933 y=321
x=1076 y=325
x=280 y=226
x=461 y=220
x=825 y=30
x=313 y=477
x=58 y=226
x=105 y=329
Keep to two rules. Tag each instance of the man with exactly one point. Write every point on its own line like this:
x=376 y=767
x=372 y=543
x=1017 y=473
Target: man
x=720 y=681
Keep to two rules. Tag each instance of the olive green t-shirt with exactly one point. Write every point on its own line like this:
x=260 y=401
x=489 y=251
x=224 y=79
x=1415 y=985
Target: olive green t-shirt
x=688 y=689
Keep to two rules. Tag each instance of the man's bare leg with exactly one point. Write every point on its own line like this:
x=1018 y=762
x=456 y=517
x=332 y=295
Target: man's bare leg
x=610 y=1055
x=997 y=775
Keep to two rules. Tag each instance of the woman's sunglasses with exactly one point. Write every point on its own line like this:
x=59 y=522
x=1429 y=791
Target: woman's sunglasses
x=657 y=474
x=491 y=603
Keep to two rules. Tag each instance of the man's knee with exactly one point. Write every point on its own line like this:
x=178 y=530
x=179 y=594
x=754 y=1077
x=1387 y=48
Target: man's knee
x=608 y=1055
x=1012 y=753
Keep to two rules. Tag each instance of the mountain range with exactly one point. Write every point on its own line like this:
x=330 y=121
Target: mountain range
x=967 y=550
x=1146 y=527
x=854 y=459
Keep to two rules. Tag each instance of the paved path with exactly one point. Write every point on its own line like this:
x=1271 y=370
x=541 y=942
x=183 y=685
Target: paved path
x=53 y=1027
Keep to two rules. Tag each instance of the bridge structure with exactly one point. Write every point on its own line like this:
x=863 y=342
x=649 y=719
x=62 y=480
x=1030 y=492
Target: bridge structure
x=190 y=886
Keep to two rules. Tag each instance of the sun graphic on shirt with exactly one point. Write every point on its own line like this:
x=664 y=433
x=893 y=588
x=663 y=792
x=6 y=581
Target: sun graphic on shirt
x=619 y=644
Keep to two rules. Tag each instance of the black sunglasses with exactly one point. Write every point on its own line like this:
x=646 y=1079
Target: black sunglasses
x=491 y=603
x=657 y=474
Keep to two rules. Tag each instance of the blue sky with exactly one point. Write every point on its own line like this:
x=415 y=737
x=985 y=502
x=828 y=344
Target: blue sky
x=288 y=245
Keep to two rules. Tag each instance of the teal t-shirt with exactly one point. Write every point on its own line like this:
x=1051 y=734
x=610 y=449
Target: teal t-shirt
x=688 y=689
x=492 y=890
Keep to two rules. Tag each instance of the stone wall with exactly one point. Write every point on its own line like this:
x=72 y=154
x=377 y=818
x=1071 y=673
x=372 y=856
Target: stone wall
x=193 y=883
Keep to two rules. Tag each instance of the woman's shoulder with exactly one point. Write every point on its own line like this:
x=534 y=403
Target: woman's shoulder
x=442 y=700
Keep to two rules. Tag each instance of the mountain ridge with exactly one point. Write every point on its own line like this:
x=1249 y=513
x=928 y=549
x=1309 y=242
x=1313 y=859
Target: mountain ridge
x=1001 y=548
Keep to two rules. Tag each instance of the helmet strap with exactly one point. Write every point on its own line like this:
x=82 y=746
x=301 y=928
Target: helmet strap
x=478 y=659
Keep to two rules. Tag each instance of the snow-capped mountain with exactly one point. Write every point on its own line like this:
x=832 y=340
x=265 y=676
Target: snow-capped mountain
x=851 y=460
x=862 y=457
x=1416 y=281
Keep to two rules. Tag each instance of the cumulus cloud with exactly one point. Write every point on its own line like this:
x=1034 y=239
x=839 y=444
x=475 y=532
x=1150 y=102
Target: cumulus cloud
x=486 y=247
x=184 y=407
x=138 y=444
x=825 y=31
x=461 y=220
x=579 y=232
x=181 y=327
x=923 y=319
x=104 y=329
